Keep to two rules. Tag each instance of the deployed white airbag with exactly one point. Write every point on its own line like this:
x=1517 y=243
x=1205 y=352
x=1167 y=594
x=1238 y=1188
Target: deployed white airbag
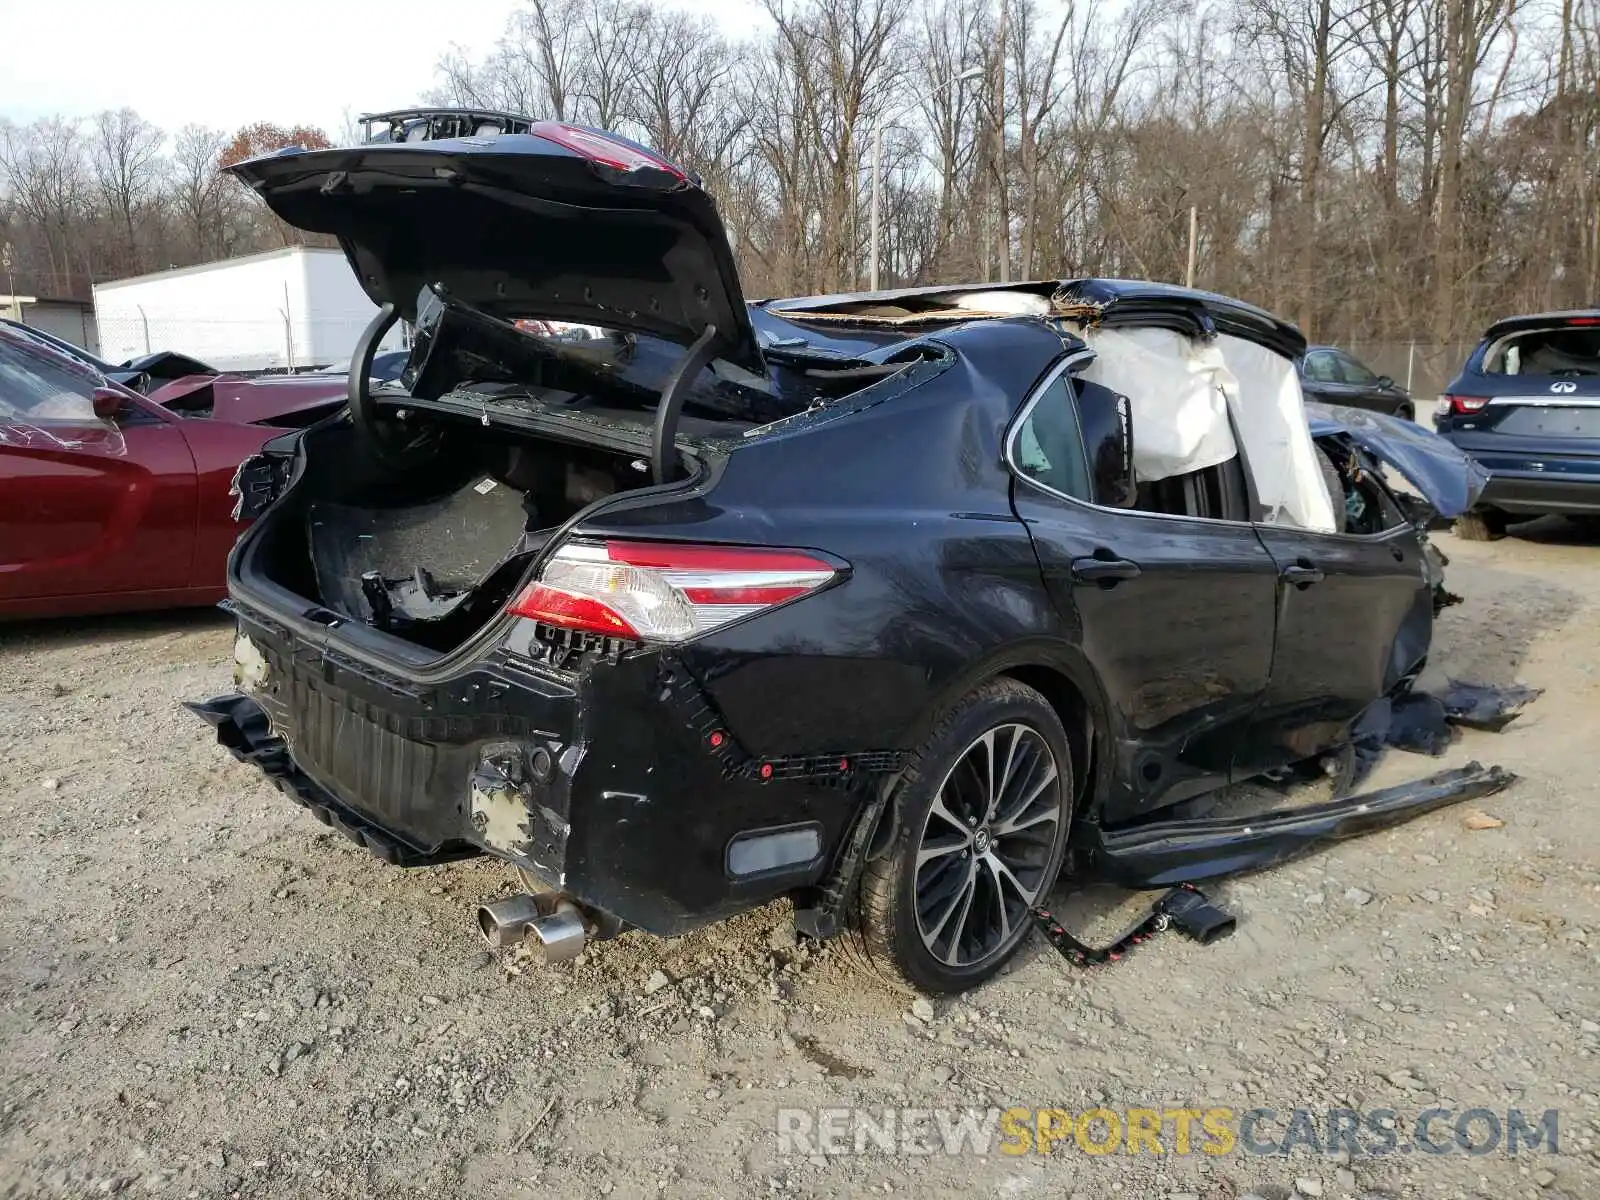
x=1021 y=303
x=1269 y=413
x=1176 y=403
x=1181 y=393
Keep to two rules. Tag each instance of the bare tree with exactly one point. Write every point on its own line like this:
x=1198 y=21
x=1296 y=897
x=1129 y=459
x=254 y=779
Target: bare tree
x=1375 y=169
x=125 y=158
x=200 y=194
x=48 y=184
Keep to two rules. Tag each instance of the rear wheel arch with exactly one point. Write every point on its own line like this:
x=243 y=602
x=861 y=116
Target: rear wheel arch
x=1077 y=718
x=1064 y=678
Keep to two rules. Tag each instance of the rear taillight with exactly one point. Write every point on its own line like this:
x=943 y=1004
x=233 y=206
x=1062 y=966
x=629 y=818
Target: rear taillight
x=1459 y=404
x=665 y=591
x=604 y=149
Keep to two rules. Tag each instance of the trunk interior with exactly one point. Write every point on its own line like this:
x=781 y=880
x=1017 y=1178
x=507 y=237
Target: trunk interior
x=432 y=552
x=433 y=555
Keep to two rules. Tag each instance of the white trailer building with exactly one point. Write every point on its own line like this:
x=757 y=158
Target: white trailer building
x=279 y=310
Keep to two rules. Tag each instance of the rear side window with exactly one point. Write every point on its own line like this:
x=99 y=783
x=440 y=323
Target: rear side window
x=1567 y=351
x=1321 y=368
x=1049 y=443
x=39 y=385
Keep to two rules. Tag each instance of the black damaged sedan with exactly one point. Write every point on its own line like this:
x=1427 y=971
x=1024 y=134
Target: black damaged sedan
x=885 y=603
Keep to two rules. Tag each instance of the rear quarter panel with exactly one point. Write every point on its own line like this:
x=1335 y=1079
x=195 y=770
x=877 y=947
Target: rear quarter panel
x=944 y=584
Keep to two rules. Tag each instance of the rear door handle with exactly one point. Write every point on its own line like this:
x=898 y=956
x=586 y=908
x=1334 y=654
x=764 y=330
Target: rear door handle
x=1104 y=570
x=1302 y=574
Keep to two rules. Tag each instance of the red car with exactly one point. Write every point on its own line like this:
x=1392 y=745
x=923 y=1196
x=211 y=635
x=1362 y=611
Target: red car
x=110 y=500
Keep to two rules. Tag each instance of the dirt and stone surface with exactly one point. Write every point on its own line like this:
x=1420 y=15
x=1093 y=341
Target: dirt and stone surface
x=205 y=993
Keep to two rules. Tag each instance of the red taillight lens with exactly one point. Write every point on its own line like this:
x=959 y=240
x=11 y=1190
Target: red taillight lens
x=1460 y=404
x=665 y=591
x=601 y=148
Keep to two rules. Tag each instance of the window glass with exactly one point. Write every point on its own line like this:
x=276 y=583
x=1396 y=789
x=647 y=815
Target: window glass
x=1321 y=367
x=1354 y=372
x=40 y=385
x=1049 y=443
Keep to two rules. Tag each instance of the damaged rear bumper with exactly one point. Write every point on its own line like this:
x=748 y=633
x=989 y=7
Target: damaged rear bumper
x=244 y=731
x=596 y=783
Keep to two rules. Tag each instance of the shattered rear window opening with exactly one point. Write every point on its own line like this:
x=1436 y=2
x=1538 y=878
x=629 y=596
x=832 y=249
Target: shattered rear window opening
x=1559 y=350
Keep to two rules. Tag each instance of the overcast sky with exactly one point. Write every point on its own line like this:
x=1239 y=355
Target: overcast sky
x=227 y=64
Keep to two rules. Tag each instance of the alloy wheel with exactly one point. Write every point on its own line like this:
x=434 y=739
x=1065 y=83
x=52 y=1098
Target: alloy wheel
x=986 y=845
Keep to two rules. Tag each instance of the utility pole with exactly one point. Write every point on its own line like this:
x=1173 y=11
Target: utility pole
x=11 y=282
x=877 y=203
x=1194 y=241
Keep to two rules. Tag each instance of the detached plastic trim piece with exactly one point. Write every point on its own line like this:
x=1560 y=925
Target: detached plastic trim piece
x=1164 y=853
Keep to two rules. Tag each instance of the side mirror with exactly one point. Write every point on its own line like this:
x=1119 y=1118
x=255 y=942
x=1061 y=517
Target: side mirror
x=1385 y=382
x=108 y=402
x=1108 y=444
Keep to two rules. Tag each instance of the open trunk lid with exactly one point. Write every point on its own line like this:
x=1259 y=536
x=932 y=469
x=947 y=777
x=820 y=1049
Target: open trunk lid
x=561 y=223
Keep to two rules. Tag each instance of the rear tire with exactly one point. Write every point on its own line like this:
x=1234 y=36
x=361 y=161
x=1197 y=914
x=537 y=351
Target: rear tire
x=946 y=905
x=1481 y=525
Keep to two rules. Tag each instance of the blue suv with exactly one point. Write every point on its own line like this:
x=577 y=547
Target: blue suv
x=1527 y=408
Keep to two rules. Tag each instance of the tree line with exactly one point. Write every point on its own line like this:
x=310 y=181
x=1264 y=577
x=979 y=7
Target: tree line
x=1368 y=168
x=109 y=196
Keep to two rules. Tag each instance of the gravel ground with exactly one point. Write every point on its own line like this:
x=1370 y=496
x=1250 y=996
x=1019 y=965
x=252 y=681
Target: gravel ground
x=205 y=993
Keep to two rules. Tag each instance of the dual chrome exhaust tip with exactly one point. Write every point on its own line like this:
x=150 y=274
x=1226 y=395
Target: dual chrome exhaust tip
x=551 y=921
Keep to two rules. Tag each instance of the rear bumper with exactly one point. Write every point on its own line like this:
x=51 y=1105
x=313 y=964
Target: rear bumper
x=1534 y=476
x=605 y=785
x=245 y=732
x=1534 y=493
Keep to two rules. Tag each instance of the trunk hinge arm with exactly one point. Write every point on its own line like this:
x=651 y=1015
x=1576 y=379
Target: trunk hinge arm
x=670 y=408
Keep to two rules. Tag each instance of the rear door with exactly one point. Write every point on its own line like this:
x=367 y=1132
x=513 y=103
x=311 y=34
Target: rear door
x=1175 y=613
x=1353 y=615
x=87 y=506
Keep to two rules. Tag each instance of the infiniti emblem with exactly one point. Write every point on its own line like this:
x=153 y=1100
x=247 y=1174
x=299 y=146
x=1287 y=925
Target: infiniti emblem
x=1565 y=387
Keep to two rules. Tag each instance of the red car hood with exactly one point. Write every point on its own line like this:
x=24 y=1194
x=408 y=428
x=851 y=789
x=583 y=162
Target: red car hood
x=243 y=401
